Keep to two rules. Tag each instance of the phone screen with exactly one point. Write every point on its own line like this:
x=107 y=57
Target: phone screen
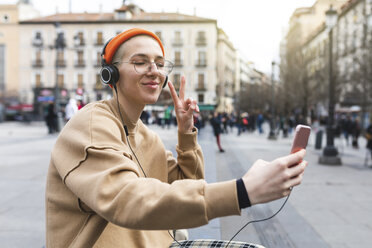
x=301 y=138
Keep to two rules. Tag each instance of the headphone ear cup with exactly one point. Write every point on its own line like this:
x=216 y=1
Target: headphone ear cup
x=109 y=74
x=115 y=74
x=165 y=82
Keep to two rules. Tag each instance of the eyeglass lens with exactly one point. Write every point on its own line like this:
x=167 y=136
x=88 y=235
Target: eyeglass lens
x=144 y=67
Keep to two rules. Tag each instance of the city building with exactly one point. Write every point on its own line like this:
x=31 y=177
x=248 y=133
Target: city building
x=10 y=15
x=302 y=68
x=190 y=43
x=352 y=60
x=226 y=67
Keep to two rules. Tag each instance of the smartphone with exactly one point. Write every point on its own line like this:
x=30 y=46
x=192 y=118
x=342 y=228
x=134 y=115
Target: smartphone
x=302 y=134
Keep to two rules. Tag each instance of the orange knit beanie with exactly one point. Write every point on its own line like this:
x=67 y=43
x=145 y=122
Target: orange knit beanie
x=115 y=42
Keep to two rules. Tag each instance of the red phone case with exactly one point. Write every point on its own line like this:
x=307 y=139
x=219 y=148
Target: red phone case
x=301 y=137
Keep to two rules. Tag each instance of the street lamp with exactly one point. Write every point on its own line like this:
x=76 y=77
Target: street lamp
x=59 y=45
x=272 y=135
x=330 y=153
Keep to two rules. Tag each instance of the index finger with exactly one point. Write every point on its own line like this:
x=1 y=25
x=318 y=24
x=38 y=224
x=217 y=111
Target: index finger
x=173 y=93
x=294 y=158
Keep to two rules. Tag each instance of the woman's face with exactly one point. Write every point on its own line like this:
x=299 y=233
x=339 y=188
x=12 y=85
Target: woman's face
x=140 y=88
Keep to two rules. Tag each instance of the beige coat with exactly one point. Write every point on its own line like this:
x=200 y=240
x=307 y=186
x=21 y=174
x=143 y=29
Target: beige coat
x=97 y=195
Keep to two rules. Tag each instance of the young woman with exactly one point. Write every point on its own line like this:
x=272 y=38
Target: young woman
x=111 y=182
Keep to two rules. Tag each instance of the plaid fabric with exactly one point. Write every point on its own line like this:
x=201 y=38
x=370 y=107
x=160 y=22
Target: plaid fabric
x=210 y=243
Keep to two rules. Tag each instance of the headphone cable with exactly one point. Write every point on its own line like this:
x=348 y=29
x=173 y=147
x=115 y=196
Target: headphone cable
x=126 y=130
x=174 y=237
x=130 y=147
x=254 y=221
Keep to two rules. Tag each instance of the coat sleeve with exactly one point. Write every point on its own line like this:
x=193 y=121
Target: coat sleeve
x=101 y=173
x=190 y=160
x=108 y=183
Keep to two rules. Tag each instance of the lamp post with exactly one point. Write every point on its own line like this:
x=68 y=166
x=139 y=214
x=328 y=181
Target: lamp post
x=272 y=135
x=330 y=153
x=59 y=46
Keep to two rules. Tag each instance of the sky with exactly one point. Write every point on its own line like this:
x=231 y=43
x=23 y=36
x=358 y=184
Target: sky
x=254 y=27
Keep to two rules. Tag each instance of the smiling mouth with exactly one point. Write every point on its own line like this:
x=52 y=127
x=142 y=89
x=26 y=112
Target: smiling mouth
x=151 y=83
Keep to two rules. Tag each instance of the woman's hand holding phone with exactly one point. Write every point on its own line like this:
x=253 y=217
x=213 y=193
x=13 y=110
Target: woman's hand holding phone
x=268 y=181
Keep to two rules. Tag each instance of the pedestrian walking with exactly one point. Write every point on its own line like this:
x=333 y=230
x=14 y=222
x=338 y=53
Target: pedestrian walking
x=51 y=119
x=225 y=120
x=260 y=121
x=112 y=183
x=167 y=116
x=346 y=126
x=217 y=129
x=71 y=109
x=355 y=131
x=368 y=135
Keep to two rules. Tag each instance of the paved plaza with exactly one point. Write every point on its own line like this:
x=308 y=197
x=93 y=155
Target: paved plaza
x=331 y=208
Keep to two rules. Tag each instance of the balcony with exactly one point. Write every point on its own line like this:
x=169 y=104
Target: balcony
x=38 y=63
x=37 y=42
x=61 y=63
x=98 y=42
x=80 y=63
x=201 y=87
x=79 y=42
x=201 y=41
x=201 y=63
x=177 y=42
x=178 y=63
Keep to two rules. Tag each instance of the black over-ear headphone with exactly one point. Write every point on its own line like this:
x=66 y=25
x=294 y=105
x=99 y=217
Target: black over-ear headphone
x=110 y=74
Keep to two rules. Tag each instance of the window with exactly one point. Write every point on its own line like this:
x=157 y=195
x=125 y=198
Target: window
x=177 y=58
x=177 y=39
x=98 y=59
x=38 y=61
x=99 y=40
x=177 y=81
x=202 y=59
x=200 y=98
x=38 y=55
x=177 y=35
x=61 y=80
x=201 y=40
x=60 y=58
x=37 y=40
x=37 y=80
x=201 y=81
x=80 y=59
x=80 y=55
x=80 y=83
x=79 y=39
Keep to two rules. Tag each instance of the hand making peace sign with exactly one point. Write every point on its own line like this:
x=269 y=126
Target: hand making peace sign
x=184 y=108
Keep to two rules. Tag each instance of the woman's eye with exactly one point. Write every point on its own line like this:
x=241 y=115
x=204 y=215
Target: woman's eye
x=159 y=64
x=139 y=62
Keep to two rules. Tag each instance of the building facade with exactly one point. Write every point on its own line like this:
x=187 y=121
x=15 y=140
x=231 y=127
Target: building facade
x=226 y=72
x=190 y=43
x=352 y=60
x=10 y=15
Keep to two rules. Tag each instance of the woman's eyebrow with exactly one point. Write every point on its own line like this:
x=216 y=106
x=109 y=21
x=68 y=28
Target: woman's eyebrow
x=145 y=56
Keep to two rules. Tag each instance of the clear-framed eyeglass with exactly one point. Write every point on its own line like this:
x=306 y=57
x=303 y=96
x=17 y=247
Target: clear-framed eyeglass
x=164 y=67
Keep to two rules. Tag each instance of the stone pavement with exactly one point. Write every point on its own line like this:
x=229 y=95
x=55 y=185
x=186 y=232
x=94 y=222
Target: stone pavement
x=331 y=208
